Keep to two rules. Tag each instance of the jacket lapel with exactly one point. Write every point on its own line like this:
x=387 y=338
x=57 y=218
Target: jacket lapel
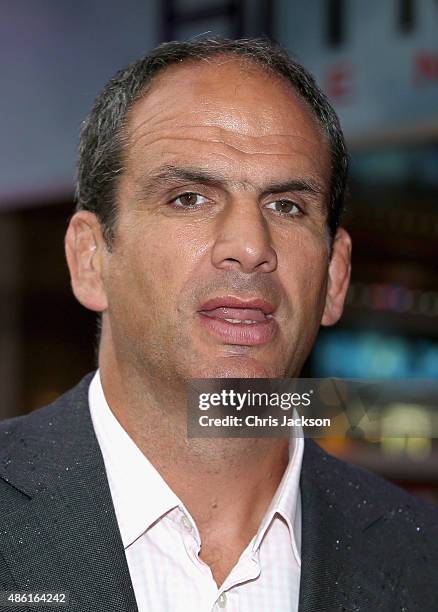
x=63 y=533
x=343 y=567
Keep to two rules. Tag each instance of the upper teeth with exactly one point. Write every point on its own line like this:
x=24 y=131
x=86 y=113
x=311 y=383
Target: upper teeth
x=240 y=321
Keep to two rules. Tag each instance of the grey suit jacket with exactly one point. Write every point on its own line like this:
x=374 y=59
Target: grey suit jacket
x=366 y=545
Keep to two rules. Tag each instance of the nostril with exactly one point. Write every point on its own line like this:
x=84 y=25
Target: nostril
x=241 y=254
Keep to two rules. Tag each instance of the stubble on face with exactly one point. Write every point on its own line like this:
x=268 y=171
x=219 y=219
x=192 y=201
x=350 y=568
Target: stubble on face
x=251 y=130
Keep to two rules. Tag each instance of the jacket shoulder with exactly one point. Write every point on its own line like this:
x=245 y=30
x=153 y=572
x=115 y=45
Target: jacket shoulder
x=353 y=481
x=366 y=495
x=45 y=417
x=36 y=447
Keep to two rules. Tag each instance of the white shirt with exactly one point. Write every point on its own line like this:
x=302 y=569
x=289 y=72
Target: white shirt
x=162 y=542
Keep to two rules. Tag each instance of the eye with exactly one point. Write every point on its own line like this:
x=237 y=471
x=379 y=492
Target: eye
x=286 y=207
x=189 y=200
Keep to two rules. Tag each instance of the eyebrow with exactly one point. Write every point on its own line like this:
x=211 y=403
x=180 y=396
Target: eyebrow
x=168 y=175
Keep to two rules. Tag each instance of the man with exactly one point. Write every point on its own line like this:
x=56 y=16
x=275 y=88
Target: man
x=211 y=180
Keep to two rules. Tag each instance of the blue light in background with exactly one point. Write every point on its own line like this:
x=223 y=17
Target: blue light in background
x=349 y=354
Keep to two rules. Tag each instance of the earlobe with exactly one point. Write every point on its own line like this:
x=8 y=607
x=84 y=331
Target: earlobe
x=84 y=249
x=339 y=278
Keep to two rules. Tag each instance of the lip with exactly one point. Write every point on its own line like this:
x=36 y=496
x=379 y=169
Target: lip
x=244 y=334
x=235 y=302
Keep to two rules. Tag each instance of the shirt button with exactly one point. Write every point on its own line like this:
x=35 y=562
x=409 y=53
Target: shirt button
x=222 y=600
x=187 y=524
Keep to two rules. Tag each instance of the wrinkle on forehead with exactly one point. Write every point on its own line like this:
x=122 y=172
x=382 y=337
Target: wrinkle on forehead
x=236 y=158
x=256 y=114
x=235 y=118
x=257 y=144
x=195 y=88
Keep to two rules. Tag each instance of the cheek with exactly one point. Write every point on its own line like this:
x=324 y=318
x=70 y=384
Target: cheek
x=303 y=270
x=156 y=263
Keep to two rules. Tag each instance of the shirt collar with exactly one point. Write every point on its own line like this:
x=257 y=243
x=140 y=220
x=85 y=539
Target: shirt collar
x=141 y=496
x=287 y=499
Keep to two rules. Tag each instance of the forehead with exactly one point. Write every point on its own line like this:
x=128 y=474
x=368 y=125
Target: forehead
x=228 y=113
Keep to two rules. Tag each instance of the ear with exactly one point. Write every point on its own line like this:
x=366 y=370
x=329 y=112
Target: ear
x=85 y=249
x=339 y=278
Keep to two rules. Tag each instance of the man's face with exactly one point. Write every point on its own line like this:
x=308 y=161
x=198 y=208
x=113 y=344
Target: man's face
x=219 y=265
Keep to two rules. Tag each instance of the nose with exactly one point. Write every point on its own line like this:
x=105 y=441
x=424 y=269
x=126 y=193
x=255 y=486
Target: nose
x=243 y=240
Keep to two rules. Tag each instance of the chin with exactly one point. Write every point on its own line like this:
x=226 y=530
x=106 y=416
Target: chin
x=239 y=366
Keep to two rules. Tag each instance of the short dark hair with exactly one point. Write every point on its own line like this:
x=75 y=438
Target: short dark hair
x=101 y=142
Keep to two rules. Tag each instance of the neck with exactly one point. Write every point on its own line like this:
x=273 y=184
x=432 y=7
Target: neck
x=226 y=484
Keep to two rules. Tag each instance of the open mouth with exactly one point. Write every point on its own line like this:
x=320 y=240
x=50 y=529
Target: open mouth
x=237 y=321
x=238 y=316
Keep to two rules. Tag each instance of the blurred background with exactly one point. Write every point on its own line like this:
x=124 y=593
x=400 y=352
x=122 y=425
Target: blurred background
x=377 y=61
